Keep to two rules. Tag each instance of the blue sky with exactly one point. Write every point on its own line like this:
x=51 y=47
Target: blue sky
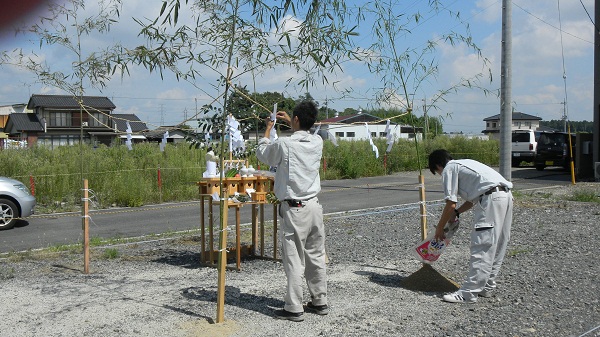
x=538 y=86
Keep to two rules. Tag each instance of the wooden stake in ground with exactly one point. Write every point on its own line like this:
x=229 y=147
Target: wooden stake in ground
x=427 y=279
x=222 y=264
x=86 y=228
x=422 y=207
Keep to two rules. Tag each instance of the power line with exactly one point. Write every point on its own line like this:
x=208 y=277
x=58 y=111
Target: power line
x=551 y=25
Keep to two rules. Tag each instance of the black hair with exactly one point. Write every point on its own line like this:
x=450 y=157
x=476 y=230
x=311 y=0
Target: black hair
x=439 y=157
x=306 y=111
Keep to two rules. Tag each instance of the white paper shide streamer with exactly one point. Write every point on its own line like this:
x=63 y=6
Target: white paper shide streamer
x=389 y=135
x=331 y=137
x=236 y=139
x=163 y=142
x=273 y=135
x=129 y=137
x=375 y=149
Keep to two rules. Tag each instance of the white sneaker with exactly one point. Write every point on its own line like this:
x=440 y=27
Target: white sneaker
x=456 y=297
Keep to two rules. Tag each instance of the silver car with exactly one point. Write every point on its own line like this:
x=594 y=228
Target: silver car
x=16 y=202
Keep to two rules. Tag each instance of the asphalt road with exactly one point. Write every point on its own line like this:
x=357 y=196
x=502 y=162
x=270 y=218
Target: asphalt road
x=43 y=230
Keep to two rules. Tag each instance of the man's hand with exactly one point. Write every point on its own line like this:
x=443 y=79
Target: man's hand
x=439 y=233
x=284 y=117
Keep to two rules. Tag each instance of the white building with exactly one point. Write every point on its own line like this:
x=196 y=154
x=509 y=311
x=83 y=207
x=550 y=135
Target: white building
x=352 y=127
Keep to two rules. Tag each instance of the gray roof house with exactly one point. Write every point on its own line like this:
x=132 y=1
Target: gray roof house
x=520 y=121
x=26 y=126
x=63 y=117
x=60 y=119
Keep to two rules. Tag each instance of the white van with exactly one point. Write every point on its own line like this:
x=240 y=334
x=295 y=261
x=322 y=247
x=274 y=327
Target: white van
x=524 y=145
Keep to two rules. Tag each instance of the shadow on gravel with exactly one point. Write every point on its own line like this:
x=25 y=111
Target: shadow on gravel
x=189 y=313
x=185 y=259
x=233 y=296
x=191 y=260
x=385 y=280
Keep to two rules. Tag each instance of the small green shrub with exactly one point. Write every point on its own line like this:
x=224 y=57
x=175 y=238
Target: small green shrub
x=110 y=253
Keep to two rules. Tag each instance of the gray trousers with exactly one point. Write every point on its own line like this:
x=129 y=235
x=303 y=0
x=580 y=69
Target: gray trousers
x=492 y=217
x=303 y=244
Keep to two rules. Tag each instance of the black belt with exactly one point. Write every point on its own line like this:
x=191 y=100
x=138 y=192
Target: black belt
x=296 y=203
x=496 y=189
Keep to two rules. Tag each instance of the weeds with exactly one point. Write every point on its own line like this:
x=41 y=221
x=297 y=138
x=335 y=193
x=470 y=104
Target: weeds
x=110 y=253
x=585 y=196
x=119 y=177
x=518 y=251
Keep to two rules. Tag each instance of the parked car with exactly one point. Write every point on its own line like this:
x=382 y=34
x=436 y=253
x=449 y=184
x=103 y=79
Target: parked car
x=524 y=145
x=553 y=150
x=16 y=202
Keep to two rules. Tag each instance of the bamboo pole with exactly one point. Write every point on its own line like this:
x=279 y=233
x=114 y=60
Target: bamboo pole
x=422 y=207
x=86 y=229
x=222 y=265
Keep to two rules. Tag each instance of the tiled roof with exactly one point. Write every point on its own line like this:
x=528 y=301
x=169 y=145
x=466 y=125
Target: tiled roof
x=515 y=116
x=136 y=124
x=68 y=102
x=18 y=122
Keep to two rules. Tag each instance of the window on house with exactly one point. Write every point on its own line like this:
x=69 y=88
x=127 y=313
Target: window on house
x=528 y=125
x=383 y=134
x=98 y=119
x=60 y=119
x=339 y=134
x=487 y=125
x=350 y=134
x=493 y=125
x=373 y=134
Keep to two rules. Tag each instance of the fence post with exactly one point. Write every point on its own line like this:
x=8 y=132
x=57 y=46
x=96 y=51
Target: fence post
x=31 y=185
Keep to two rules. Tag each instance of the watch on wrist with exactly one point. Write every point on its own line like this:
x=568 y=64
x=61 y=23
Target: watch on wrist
x=457 y=213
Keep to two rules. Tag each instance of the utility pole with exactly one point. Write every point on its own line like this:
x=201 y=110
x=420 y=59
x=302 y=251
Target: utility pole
x=596 y=107
x=506 y=91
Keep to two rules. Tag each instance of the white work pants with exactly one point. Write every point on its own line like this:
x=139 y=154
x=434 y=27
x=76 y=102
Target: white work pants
x=492 y=217
x=303 y=243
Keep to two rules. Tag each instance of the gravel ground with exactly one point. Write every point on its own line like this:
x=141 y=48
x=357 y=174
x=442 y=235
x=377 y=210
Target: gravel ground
x=548 y=285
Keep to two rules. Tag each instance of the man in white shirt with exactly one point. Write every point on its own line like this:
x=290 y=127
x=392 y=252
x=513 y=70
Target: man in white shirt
x=488 y=193
x=297 y=183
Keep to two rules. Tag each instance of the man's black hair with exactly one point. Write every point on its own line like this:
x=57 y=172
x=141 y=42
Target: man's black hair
x=439 y=157
x=306 y=111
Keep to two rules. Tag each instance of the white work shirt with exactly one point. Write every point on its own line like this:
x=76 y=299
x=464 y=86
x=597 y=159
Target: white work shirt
x=297 y=158
x=469 y=179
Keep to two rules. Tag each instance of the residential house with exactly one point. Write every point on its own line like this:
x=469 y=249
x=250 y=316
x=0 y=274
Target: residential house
x=56 y=120
x=352 y=127
x=520 y=121
x=63 y=118
x=28 y=128
x=5 y=111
